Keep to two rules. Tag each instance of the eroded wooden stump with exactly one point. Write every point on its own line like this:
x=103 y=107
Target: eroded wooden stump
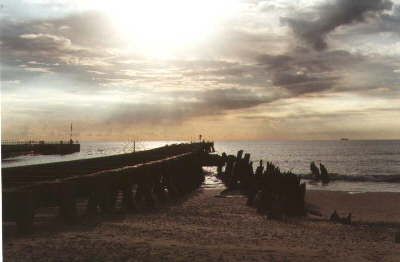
x=19 y=206
x=67 y=202
x=397 y=238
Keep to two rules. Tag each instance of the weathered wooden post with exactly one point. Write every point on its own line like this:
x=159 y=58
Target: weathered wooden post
x=194 y=171
x=255 y=184
x=221 y=164
x=127 y=194
x=229 y=168
x=239 y=155
x=263 y=204
x=183 y=181
x=179 y=177
x=100 y=194
x=302 y=195
x=25 y=211
x=277 y=208
x=67 y=202
x=19 y=206
x=200 y=172
x=168 y=181
x=104 y=194
x=114 y=188
x=155 y=176
x=92 y=201
x=144 y=188
x=269 y=186
x=397 y=238
x=237 y=169
x=246 y=173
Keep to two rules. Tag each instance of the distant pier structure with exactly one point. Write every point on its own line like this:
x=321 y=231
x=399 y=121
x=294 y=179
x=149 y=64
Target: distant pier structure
x=12 y=148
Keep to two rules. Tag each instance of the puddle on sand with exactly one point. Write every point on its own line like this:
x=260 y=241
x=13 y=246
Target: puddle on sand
x=211 y=181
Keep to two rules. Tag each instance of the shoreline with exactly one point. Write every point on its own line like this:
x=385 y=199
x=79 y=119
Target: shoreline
x=364 y=206
x=201 y=227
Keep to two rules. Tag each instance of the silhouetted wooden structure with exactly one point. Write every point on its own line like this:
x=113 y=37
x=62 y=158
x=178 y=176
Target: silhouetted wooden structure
x=279 y=193
x=176 y=169
x=17 y=148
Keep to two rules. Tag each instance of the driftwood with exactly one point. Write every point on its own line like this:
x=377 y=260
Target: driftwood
x=344 y=220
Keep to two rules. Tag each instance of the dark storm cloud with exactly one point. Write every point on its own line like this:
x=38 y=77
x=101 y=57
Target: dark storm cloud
x=310 y=87
x=310 y=61
x=219 y=72
x=276 y=62
x=386 y=22
x=302 y=72
x=303 y=84
x=208 y=103
x=202 y=64
x=333 y=15
x=394 y=17
x=289 y=79
x=391 y=22
x=228 y=99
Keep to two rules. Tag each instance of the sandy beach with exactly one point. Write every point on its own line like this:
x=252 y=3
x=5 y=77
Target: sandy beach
x=202 y=227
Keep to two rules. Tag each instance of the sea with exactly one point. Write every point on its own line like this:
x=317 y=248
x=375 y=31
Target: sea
x=355 y=166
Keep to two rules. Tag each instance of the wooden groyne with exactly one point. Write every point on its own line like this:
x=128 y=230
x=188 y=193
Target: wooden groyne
x=17 y=148
x=277 y=193
x=16 y=176
x=175 y=170
x=164 y=173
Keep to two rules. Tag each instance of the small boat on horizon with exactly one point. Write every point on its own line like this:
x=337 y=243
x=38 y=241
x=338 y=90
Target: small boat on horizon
x=344 y=139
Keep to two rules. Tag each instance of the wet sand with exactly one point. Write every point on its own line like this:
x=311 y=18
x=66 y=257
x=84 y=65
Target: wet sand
x=201 y=227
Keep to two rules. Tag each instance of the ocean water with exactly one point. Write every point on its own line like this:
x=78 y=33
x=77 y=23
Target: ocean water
x=354 y=165
x=88 y=150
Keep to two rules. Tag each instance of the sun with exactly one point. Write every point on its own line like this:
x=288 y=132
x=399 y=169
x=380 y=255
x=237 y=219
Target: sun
x=165 y=27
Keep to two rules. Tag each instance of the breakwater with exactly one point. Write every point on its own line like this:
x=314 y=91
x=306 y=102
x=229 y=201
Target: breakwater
x=16 y=148
x=175 y=169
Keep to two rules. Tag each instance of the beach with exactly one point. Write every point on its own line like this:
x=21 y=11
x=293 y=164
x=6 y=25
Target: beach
x=202 y=227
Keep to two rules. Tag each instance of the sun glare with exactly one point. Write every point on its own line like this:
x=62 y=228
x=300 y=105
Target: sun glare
x=164 y=27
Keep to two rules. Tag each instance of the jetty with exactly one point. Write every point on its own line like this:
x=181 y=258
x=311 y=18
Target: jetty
x=123 y=208
x=173 y=169
x=12 y=148
x=176 y=169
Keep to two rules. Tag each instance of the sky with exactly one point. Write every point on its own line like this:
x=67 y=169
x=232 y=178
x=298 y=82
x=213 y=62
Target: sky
x=171 y=70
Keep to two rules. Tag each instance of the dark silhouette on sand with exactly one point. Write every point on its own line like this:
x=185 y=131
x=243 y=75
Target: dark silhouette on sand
x=323 y=176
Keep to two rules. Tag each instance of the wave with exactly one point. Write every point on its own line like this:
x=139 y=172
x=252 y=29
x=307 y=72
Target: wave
x=360 y=178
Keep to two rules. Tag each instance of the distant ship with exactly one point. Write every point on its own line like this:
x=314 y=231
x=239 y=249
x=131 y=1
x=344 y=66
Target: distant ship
x=345 y=139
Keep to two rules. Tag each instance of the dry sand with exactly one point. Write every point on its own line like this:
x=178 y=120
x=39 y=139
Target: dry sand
x=202 y=227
